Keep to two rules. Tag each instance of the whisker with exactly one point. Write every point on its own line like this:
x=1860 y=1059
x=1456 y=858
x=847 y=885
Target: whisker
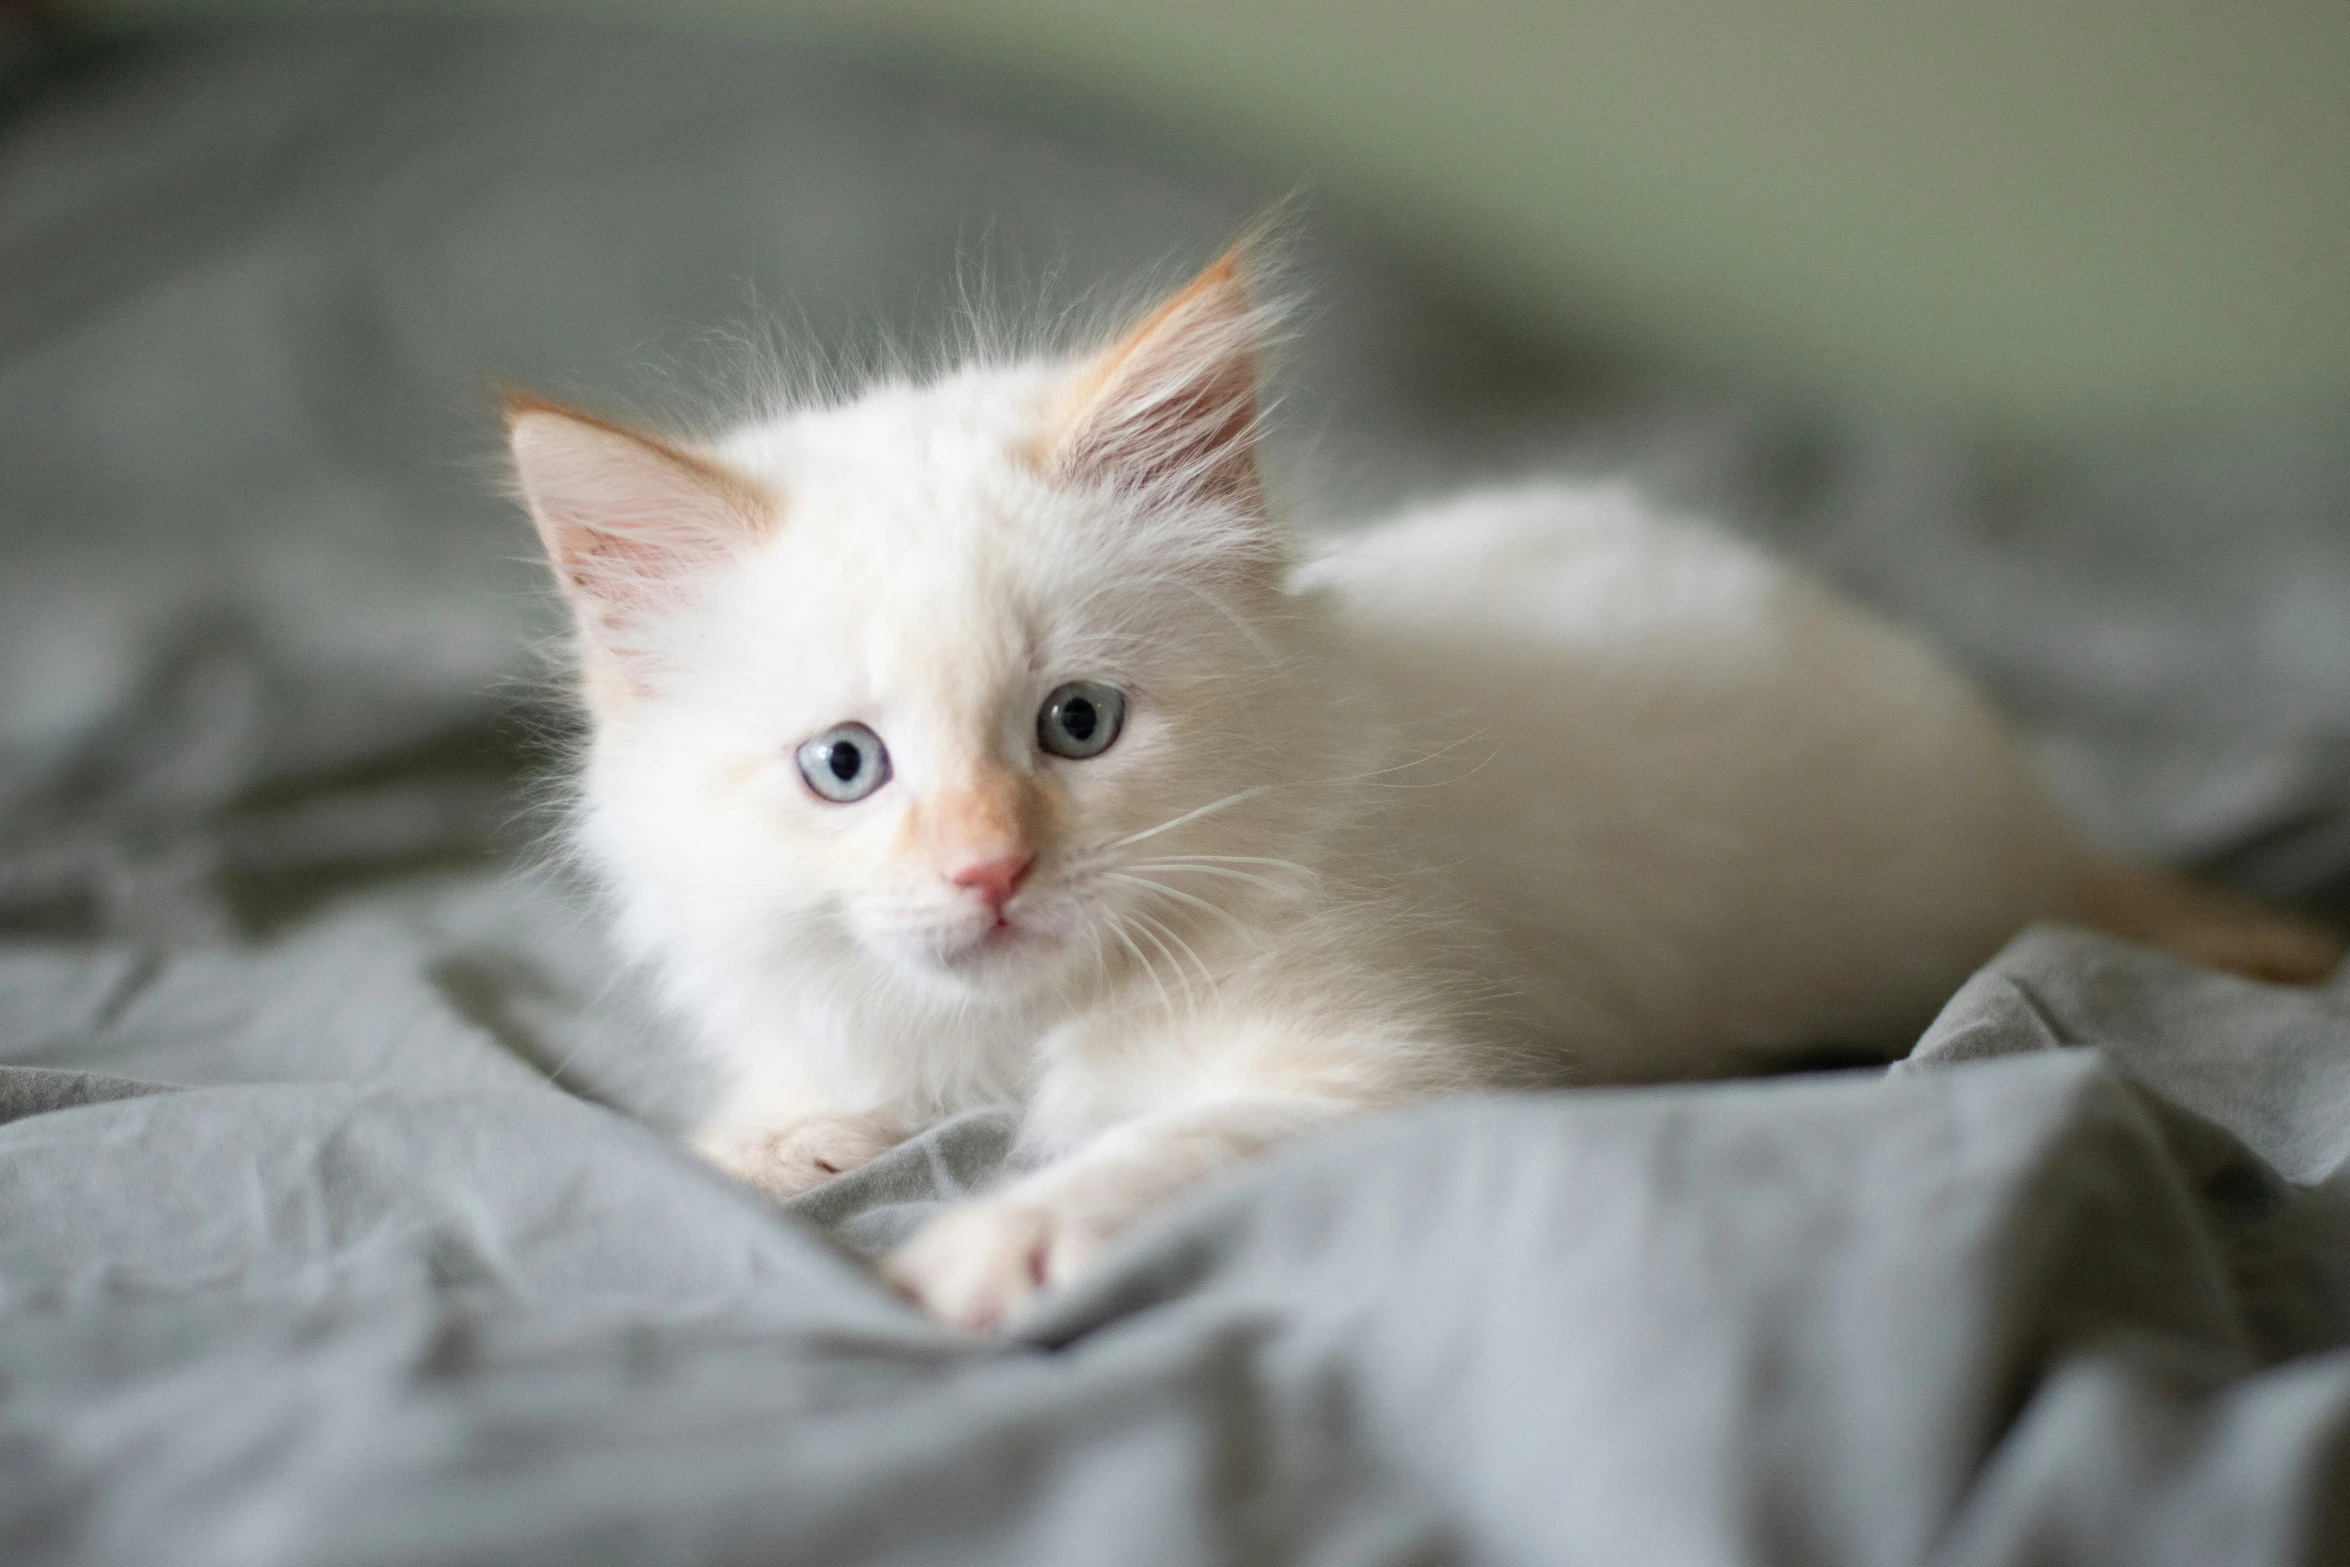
x=1265 y=882
x=1421 y=761
x=1151 y=931
x=1117 y=928
x=1229 y=859
x=1264 y=650
x=1149 y=925
x=1187 y=816
x=1222 y=913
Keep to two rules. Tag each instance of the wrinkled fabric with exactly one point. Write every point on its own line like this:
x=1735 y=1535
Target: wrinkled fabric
x=2001 y=1305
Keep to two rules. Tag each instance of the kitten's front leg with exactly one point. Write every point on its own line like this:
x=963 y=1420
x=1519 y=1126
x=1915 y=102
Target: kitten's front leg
x=977 y=1264
x=784 y=1155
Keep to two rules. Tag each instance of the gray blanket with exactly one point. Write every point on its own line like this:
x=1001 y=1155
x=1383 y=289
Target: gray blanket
x=337 y=1222
x=2012 y=1302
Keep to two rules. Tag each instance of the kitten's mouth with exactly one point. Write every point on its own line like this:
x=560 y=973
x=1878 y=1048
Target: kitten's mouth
x=993 y=941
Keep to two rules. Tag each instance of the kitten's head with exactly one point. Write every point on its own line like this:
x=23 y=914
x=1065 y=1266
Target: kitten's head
x=986 y=679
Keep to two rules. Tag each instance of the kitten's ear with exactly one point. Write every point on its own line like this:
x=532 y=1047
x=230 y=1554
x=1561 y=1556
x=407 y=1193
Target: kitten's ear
x=1175 y=403
x=626 y=519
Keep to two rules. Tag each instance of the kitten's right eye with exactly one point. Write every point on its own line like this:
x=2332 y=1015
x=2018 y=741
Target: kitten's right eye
x=847 y=762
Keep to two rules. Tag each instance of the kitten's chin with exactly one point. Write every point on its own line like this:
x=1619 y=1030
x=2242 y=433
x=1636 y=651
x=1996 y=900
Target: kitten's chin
x=1009 y=960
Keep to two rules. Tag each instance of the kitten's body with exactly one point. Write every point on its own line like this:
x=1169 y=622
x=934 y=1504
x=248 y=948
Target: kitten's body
x=1697 y=799
x=1535 y=787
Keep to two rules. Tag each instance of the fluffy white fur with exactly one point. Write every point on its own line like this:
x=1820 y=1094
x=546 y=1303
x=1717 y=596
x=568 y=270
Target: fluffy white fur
x=1531 y=787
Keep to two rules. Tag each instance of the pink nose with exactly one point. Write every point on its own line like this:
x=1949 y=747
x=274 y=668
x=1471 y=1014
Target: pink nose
x=995 y=880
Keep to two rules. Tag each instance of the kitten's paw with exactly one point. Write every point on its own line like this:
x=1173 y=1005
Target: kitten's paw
x=787 y=1159
x=976 y=1266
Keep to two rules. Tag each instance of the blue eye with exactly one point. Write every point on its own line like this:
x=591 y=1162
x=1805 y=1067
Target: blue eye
x=1081 y=719
x=845 y=763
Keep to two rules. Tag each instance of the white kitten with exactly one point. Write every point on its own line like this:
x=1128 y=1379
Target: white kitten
x=976 y=741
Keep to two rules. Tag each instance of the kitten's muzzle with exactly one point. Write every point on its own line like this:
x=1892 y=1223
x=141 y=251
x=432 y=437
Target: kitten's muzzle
x=995 y=880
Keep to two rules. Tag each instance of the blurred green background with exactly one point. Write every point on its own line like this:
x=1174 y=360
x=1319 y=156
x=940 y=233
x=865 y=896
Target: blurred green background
x=2037 y=213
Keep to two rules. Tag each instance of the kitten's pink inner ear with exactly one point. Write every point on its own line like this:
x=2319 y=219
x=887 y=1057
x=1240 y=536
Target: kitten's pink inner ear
x=625 y=517
x=1176 y=401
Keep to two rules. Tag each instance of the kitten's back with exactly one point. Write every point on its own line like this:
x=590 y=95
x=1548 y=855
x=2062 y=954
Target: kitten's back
x=1715 y=815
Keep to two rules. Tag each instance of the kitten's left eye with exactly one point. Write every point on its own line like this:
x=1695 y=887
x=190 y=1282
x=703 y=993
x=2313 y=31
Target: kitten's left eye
x=847 y=762
x=1081 y=719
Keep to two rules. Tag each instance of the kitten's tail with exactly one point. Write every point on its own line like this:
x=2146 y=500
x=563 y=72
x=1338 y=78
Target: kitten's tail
x=2207 y=925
